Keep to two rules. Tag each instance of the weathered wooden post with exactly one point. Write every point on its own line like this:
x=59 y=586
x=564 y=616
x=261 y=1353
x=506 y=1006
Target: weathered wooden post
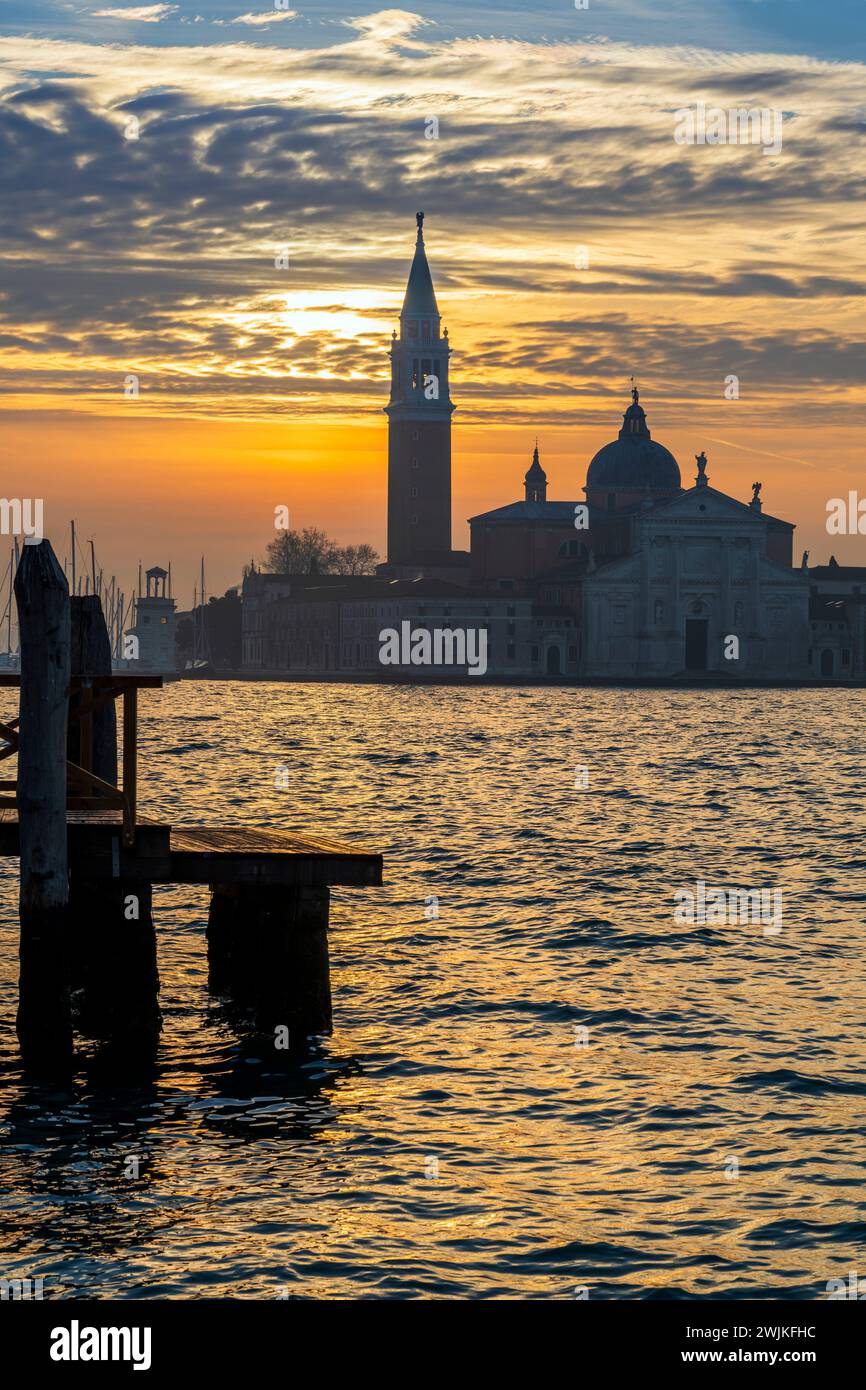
x=44 y=1023
x=268 y=947
x=112 y=930
x=90 y=655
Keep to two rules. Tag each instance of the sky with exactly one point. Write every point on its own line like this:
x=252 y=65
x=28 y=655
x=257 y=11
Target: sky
x=162 y=162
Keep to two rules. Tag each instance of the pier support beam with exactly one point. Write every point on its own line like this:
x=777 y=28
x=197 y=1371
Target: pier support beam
x=44 y=1023
x=114 y=943
x=268 y=947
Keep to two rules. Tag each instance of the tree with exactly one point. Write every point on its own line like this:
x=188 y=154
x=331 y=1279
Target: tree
x=293 y=552
x=356 y=559
x=299 y=552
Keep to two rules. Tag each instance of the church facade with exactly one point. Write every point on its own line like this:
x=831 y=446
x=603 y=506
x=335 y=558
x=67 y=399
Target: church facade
x=661 y=581
x=700 y=593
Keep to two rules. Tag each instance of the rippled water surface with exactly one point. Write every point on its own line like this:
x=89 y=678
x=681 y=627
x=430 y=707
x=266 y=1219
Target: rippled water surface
x=608 y=1165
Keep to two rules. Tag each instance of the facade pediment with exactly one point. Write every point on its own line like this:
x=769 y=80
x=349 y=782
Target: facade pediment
x=708 y=504
x=626 y=568
x=704 y=504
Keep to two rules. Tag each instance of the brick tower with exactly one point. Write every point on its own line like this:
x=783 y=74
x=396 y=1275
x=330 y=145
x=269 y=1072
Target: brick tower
x=419 y=425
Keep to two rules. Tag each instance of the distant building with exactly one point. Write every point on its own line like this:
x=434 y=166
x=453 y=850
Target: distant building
x=154 y=624
x=332 y=625
x=837 y=609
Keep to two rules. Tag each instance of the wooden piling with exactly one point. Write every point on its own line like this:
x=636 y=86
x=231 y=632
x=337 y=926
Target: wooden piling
x=43 y=1023
x=90 y=655
x=268 y=948
x=114 y=963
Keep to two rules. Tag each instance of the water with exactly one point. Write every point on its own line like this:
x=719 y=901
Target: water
x=606 y=1165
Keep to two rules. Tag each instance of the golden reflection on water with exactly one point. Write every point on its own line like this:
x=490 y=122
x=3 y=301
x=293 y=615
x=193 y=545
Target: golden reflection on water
x=559 y=1165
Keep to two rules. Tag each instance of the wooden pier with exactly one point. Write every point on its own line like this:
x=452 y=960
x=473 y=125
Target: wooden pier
x=89 y=860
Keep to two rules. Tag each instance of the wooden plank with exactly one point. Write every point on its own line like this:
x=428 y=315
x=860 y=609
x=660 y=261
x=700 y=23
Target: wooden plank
x=121 y=679
x=209 y=854
x=90 y=838
x=254 y=839
x=296 y=871
x=249 y=854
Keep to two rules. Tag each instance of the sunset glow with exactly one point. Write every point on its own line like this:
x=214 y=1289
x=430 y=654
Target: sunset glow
x=573 y=242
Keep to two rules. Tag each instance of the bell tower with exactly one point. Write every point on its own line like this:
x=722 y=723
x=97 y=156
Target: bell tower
x=419 y=424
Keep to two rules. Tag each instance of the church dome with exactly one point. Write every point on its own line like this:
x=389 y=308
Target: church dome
x=634 y=460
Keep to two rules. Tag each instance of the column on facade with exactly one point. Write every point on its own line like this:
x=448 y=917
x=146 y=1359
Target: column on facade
x=727 y=606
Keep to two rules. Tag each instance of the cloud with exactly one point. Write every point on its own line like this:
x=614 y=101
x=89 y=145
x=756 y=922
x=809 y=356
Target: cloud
x=141 y=14
x=268 y=18
x=160 y=251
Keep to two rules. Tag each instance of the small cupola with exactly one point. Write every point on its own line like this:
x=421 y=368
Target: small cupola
x=535 y=479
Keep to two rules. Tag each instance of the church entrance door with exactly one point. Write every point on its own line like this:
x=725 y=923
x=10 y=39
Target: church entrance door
x=553 y=661
x=696 y=644
x=827 y=662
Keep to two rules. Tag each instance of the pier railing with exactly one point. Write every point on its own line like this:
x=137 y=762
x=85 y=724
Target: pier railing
x=85 y=791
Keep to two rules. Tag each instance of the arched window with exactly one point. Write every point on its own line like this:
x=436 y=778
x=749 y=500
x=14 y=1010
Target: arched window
x=658 y=610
